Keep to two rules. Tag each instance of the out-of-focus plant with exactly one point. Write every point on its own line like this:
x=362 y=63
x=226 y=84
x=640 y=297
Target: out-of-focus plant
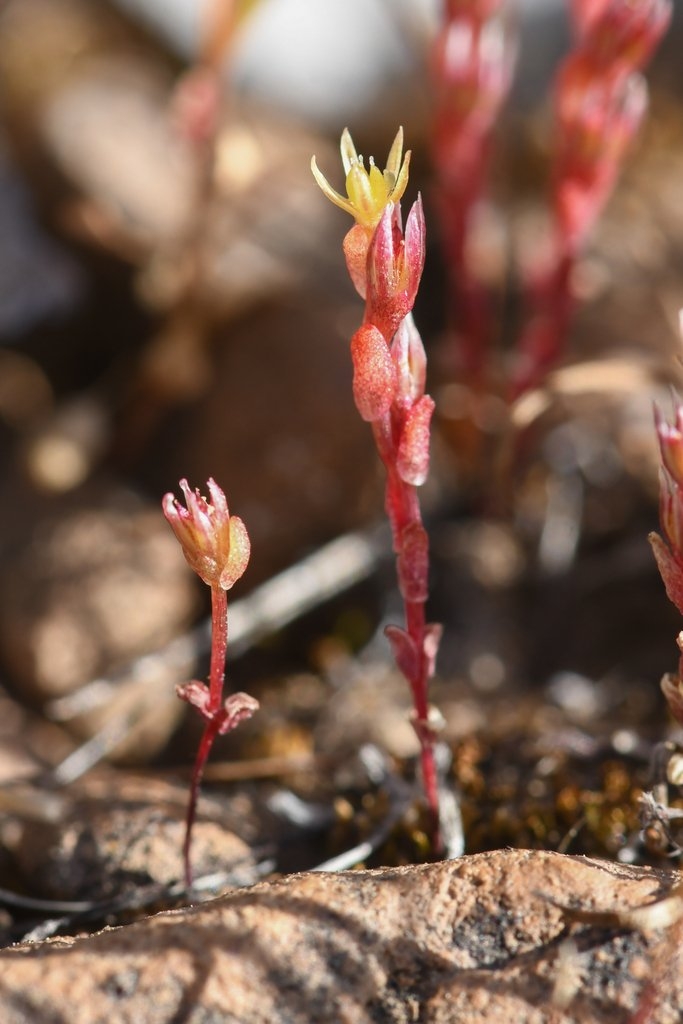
x=599 y=102
x=176 y=367
x=197 y=98
x=216 y=546
x=669 y=550
x=472 y=62
x=385 y=263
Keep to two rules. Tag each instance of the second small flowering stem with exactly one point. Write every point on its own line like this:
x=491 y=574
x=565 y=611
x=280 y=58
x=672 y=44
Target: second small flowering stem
x=216 y=546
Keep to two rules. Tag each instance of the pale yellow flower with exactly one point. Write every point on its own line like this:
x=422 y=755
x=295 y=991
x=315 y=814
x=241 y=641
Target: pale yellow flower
x=368 y=192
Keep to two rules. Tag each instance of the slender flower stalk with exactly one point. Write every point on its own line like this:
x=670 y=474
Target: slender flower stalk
x=385 y=263
x=668 y=551
x=600 y=101
x=216 y=546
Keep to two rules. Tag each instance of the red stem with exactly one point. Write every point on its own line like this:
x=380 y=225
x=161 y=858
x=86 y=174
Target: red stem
x=403 y=509
x=219 y=647
x=208 y=736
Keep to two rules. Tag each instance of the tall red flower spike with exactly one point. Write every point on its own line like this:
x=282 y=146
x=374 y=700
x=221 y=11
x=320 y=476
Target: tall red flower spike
x=669 y=551
x=385 y=263
x=216 y=546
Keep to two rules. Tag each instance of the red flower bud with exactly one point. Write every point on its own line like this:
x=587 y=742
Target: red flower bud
x=670 y=437
x=596 y=126
x=215 y=544
x=671 y=443
x=374 y=373
x=473 y=62
x=394 y=267
x=623 y=36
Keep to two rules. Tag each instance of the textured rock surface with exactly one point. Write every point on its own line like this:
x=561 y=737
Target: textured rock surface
x=119 y=832
x=481 y=939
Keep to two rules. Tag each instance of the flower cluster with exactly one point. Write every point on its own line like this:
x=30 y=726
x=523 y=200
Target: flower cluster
x=385 y=263
x=669 y=550
x=216 y=546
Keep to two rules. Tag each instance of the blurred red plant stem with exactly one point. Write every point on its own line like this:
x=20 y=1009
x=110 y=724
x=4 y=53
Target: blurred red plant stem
x=542 y=342
x=472 y=62
x=600 y=101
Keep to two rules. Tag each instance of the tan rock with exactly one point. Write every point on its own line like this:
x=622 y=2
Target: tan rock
x=481 y=939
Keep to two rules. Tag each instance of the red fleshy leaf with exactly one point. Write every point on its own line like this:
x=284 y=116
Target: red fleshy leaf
x=432 y=640
x=374 y=373
x=412 y=460
x=672 y=688
x=404 y=650
x=670 y=569
x=240 y=550
x=394 y=267
x=196 y=694
x=236 y=708
x=356 y=242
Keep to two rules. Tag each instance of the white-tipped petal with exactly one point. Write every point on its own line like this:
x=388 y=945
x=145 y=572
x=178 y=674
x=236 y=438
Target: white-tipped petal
x=348 y=151
x=393 y=163
x=327 y=190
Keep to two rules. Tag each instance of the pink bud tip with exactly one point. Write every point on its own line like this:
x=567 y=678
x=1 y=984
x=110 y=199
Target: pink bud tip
x=215 y=544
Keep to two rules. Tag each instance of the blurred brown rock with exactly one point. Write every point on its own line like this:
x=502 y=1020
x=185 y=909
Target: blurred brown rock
x=99 y=581
x=118 y=832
